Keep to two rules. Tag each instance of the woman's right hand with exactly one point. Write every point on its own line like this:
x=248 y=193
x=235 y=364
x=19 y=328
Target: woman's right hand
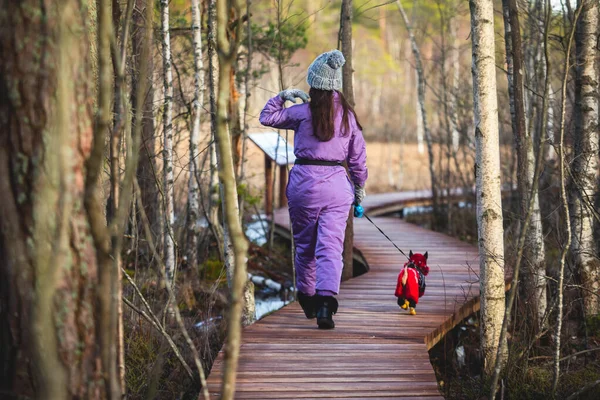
x=293 y=94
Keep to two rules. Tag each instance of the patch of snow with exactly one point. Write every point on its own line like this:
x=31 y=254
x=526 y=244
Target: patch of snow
x=201 y=223
x=257 y=230
x=208 y=321
x=460 y=356
x=265 y=306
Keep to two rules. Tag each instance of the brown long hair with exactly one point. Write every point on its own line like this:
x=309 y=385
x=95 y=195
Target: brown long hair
x=323 y=114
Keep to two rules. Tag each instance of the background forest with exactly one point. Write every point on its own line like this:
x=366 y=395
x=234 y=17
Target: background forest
x=137 y=233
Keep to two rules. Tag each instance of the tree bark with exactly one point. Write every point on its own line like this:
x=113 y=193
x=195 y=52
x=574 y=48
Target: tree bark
x=421 y=99
x=584 y=183
x=534 y=288
x=565 y=205
x=348 y=90
x=146 y=169
x=213 y=73
x=105 y=242
x=455 y=61
x=487 y=169
x=120 y=107
x=169 y=239
x=222 y=233
x=193 y=182
x=235 y=117
x=48 y=263
x=246 y=94
x=419 y=120
x=227 y=51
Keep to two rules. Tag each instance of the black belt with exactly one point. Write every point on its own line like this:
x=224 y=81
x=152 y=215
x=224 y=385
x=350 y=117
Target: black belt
x=305 y=161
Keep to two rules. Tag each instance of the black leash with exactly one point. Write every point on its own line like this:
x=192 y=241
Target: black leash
x=386 y=236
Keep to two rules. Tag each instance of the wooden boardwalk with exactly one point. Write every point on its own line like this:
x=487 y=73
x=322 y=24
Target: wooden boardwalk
x=376 y=350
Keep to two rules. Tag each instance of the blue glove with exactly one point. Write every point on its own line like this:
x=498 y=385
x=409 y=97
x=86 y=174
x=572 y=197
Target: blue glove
x=359 y=211
x=292 y=94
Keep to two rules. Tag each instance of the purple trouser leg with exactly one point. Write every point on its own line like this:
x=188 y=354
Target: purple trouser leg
x=304 y=225
x=329 y=248
x=319 y=201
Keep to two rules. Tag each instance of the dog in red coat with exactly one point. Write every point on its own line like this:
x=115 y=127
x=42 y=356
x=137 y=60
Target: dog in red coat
x=411 y=281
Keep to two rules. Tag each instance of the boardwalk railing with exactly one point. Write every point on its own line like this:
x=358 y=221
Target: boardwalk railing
x=377 y=350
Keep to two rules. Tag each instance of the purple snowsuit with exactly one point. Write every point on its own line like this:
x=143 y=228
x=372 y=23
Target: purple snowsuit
x=319 y=197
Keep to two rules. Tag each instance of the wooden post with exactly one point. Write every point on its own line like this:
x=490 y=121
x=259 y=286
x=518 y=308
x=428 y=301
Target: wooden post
x=346 y=44
x=282 y=185
x=268 y=185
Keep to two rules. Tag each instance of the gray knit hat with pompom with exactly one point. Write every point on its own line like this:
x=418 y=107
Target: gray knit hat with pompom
x=325 y=72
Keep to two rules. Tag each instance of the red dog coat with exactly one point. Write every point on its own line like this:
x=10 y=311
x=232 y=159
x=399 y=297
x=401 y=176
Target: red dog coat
x=413 y=289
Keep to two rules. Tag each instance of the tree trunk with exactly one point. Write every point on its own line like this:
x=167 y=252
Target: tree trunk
x=222 y=233
x=169 y=250
x=419 y=121
x=213 y=73
x=455 y=62
x=227 y=51
x=120 y=107
x=534 y=279
x=106 y=244
x=584 y=183
x=421 y=99
x=348 y=90
x=246 y=95
x=565 y=206
x=550 y=151
x=235 y=117
x=193 y=183
x=146 y=169
x=487 y=169
x=48 y=263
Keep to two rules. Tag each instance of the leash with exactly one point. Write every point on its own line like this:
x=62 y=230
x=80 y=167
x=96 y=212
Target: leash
x=359 y=212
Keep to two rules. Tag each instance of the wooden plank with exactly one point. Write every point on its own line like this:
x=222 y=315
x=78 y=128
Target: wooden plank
x=377 y=350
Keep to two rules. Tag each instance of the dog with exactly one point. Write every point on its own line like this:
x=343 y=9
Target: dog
x=411 y=281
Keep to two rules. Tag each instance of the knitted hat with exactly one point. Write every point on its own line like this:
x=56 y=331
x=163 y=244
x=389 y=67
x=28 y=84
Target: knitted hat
x=325 y=72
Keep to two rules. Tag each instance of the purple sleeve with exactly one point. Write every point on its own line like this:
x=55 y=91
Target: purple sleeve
x=274 y=114
x=357 y=158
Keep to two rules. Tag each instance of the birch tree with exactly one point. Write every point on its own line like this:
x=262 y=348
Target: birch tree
x=564 y=203
x=421 y=106
x=534 y=288
x=169 y=239
x=213 y=73
x=193 y=188
x=453 y=106
x=584 y=170
x=487 y=170
x=227 y=51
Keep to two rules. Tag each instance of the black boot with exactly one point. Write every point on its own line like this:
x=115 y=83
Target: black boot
x=327 y=306
x=308 y=304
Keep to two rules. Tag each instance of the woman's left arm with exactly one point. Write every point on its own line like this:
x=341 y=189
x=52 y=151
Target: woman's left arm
x=357 y=158
x=274 y=114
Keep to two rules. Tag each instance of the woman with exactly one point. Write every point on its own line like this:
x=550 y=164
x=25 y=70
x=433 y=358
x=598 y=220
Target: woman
x=319 y=193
